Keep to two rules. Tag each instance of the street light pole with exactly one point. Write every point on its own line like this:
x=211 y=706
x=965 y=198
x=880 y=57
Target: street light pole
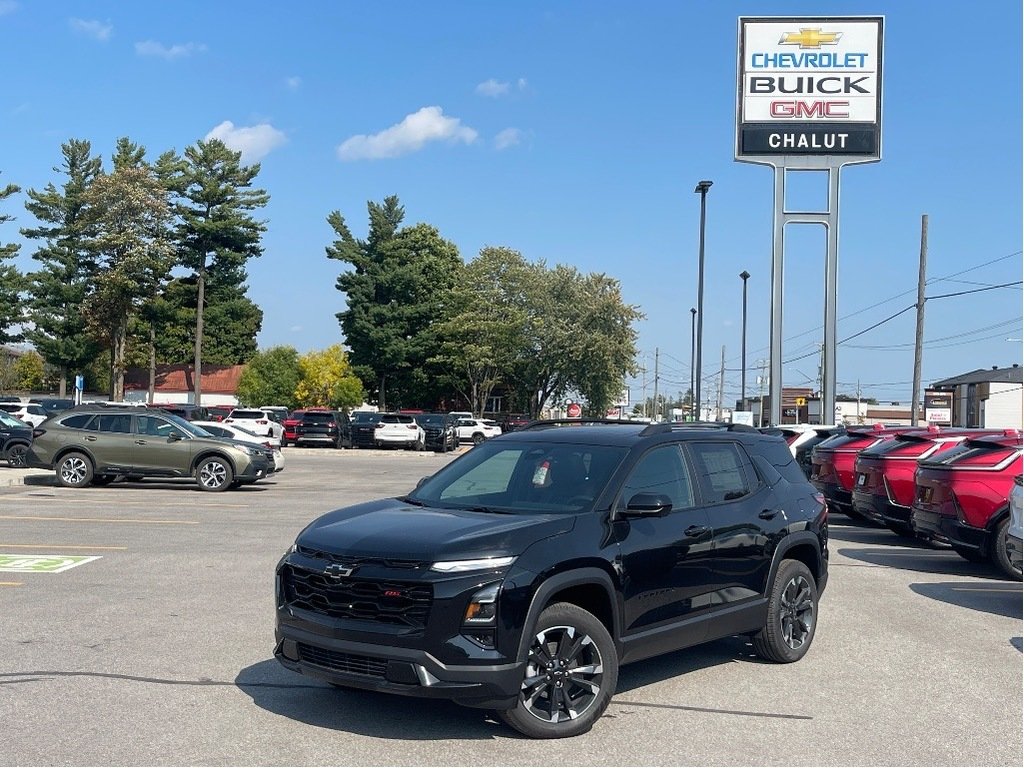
x=693 y=341
x=701 y=188
x=744 y=275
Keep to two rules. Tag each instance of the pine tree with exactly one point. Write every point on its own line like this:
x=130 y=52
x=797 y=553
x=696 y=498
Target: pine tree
x=12 y=283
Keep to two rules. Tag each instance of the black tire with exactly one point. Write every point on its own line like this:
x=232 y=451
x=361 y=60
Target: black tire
x=478 y=438
x=792 y=615
x=553 y=702
x=101 y=480
x=214 y=474
x=1000 y=557
x=74 y=470
x=970 y=555
x=15 y=455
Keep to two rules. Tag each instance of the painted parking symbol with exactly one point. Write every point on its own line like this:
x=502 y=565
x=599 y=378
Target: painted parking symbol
x=42 y=563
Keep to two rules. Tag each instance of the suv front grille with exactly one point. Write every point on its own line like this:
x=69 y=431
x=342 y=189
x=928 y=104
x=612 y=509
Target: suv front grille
x=342 y=662
x=319 y=554
x=395 y=603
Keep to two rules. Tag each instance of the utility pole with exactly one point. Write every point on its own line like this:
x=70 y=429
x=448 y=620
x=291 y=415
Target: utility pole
x=919 y=335
x=643 y=389
x=760 y=395
x=859 y=419
x=721 y=384
x=654 y=409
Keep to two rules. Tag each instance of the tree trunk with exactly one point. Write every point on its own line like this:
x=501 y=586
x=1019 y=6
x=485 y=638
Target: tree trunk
x=63 y=386
x=152 y=363
x=120 y=345
x=382 y=405
x=197 y=374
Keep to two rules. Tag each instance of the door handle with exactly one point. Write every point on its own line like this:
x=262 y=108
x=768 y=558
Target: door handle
x=696 y=530
x=90 y=438
x=768 y=514
x=141 y=442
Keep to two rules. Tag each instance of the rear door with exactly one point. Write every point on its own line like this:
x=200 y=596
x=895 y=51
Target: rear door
x=111 y=441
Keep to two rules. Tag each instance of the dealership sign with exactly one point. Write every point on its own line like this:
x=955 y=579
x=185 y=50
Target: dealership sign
x=809 y=87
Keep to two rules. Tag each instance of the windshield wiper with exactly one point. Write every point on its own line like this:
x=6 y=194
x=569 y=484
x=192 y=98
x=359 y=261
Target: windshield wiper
x=411 y=500
x=492 y=510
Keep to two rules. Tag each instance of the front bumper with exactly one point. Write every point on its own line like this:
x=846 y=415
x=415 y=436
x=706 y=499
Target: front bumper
x=393 y=669
x=1015 y=550
x=258 y=468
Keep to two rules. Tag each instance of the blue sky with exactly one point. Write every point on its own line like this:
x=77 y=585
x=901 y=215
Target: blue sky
x=573 y=132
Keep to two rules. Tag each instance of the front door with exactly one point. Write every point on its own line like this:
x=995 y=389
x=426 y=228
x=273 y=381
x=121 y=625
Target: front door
x=156 y=451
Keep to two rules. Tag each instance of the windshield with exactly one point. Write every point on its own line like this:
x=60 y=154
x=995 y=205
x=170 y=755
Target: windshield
x=523 y=478
x=9 y=421
x=363 y=417
x=430 y=418
x=187 y=426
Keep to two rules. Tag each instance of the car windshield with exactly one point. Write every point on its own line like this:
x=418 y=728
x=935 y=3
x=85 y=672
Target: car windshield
x=9 y=421
x=523 y=478
x=187 y=426
x=364 y=417
x=430 y=418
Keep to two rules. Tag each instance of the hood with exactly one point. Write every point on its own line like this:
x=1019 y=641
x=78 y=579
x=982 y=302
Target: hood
x=390 y=528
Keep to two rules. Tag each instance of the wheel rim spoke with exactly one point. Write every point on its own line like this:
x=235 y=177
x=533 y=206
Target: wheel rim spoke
x=563 y=675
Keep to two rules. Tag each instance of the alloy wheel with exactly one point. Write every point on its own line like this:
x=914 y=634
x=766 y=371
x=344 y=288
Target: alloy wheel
x=213 y=474
x=73 y=470
x=563 y=675
x=796 y=612
x=16 y=456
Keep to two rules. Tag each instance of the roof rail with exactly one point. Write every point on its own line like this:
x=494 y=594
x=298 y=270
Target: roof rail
x=678 y=426
x=542 y=423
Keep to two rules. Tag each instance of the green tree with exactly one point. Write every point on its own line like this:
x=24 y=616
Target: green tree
x=12 y=283
x=216 y=236
x=395 y=295
x=271 y=378
x=59 y=287
x=31 y=372
x=327 y=380
x=131 y=244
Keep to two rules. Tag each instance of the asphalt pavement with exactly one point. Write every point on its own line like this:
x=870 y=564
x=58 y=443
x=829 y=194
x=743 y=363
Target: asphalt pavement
x=158 y=652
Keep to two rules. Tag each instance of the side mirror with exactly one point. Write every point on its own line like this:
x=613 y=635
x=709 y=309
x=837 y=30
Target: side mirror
x=648 y=505
x=173 y=437
x=421 y=481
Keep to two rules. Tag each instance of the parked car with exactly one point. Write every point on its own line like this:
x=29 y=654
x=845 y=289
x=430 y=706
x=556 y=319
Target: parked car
x=241 y=435
x=832 y=463
x=255 y=420
x=398 y=429
x=219 y=412
x=802 y=438
x=364 y=426
x=477 y=430
x=521 y=575
x=1015 y=532
x=279 y=412
x=53 y=405
x=324 y=427
x=186 y=411
x=513 y=421
x=96 y=445
x=289 y=424
x=30 y=413
x=15 y=439
x=962 y=498
x=883 y=482
x=440 y=431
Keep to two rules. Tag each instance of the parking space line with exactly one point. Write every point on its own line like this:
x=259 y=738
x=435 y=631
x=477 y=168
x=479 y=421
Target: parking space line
x=59 y=546
x=99 y=520
x=11 y=583
x=106 y=503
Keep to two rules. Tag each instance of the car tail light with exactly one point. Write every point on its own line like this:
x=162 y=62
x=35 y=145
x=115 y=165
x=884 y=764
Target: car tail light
x=38 y=432
x=268 y=445
x=261 y=421
x=411 y=426
x=331 y=425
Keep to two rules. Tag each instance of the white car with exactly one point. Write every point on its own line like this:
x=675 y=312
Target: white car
x=399 y=429
x=1014 y=547
x=477 y=430
x=238 y=434
x=255 y=420
x=31 y=413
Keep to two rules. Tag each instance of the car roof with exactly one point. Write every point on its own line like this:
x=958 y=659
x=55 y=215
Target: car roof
x=624 y=433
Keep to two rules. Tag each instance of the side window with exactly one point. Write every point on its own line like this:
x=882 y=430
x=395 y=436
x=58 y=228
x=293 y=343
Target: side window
x=154 y=426
x=721 y=471
x=113 y=422
x=78 y=421
x=662 y=470
x=217 y=431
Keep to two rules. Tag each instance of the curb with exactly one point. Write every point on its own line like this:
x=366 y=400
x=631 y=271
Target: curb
x=12 y=477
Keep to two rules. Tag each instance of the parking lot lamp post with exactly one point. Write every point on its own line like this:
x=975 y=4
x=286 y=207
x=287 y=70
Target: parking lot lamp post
x=744 y=275
x=693 y=341
x=701 y=188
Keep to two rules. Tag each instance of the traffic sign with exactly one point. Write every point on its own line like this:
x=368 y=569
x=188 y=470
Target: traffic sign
x=574 y=410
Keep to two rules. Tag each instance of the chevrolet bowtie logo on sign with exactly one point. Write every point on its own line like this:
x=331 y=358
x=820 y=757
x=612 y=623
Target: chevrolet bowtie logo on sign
x=810 y=38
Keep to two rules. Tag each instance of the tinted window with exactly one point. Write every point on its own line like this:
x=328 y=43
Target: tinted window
x=317 y=418
x=113 y=422
x=364 y=417
x=660 y=471
x=155 y=426
x=10 y=421
x=78 y=421
x=431 y=418
x=392 y=418
x=720 y=471
x=10 y=407
x=217 y=431
x=248 y=415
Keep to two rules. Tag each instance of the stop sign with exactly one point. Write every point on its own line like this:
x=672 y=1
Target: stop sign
x=574 y=410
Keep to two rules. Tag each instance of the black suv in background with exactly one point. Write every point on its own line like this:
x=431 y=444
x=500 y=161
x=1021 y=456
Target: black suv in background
x=15 y=439
x=441 y=432
x=323 y=427
x=521 y=575
x=364 y=425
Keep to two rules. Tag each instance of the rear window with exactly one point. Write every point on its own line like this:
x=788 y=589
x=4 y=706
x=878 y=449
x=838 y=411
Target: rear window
x=248 y=415
x=317 y=418
x=852 y=441
x=364 y=417
x=78 y=421
x=394 y=418
x=10 y=407
x=975 y=453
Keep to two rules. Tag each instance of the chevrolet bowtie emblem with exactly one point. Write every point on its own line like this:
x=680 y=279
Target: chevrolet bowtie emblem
x=810 y=38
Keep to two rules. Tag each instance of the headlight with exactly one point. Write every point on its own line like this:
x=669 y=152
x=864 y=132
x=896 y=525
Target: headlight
x=254 y=451
x=461 y=566
x=483 y=606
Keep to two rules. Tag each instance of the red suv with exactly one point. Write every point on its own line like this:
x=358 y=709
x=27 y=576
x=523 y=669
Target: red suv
x=832 y=463
x=289 y=436
x=883 y=481
x=962 y=497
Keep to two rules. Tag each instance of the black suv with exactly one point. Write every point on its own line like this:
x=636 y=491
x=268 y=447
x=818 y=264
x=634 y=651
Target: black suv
x=521 y=575
x=441 y=432
x=15 y=439
x=323 y=427
x=364 y=425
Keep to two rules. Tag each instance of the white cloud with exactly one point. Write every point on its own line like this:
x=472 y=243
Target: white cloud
x=92 y=28
x=410 y=135
x=254 y=142
x=7 y=6
x=492 y=88
x=507 y=138
x=293 y=83
x=521 y=83
x=296 y=328
x=181 y=50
